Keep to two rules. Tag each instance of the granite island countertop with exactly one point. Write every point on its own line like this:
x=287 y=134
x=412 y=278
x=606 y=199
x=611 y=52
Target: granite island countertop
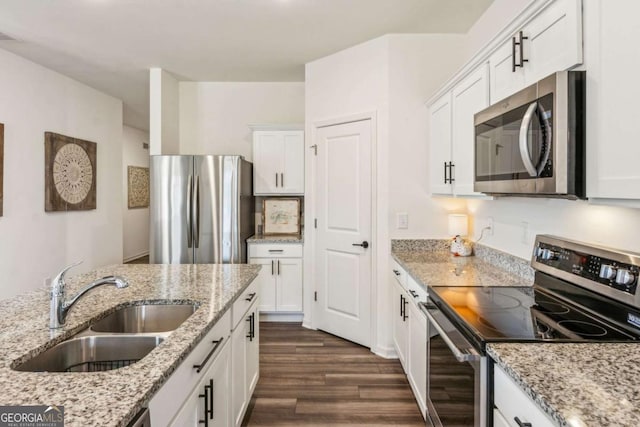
x=112 y=398
x=577 y=384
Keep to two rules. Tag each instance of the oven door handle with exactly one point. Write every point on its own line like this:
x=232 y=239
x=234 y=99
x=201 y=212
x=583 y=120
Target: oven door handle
x=524 y=140
x=461 y=356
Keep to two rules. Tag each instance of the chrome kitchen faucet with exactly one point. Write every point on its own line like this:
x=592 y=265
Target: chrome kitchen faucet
x=59 y=306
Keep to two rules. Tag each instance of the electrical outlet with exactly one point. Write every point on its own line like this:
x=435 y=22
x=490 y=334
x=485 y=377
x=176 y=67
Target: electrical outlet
x=525 y=232
x=489 y=223
x=403 y=220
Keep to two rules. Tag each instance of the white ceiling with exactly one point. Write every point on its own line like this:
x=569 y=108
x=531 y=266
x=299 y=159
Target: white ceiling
x=111 y=44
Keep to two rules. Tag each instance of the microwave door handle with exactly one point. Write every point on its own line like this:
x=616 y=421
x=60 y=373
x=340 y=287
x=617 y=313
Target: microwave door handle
x=548 y=144
x=459 y=354
x=524 y=146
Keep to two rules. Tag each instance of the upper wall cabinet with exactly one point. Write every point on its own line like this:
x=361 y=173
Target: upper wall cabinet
x=550 y=41
x=612 y=62
x=452 y=134
x=278 y=162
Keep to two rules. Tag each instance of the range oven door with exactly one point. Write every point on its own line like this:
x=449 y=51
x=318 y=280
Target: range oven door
x=456 y=375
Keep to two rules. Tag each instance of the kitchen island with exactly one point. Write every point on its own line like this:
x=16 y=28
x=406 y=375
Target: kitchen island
x=112 y=398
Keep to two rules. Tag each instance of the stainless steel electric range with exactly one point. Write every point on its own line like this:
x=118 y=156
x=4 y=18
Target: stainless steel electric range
x=582 y=293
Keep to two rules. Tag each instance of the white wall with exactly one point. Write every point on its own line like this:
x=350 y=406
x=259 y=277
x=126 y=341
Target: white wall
x=164 y=123
x=214 y=116
x=391 y=77
x=35 y=245
x=135 y=226
x=418 y=66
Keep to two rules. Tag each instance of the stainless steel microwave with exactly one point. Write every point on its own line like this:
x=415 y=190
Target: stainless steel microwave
x=533 y=142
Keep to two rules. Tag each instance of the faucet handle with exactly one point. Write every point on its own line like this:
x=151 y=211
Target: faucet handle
x=58 y=284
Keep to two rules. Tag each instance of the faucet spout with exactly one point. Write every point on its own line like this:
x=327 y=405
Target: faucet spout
x=60 y=306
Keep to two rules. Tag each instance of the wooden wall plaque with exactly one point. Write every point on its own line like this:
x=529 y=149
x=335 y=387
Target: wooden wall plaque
x=70 y=173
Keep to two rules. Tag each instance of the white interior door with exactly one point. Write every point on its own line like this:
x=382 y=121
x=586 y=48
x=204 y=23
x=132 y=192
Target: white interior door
x=343 y=211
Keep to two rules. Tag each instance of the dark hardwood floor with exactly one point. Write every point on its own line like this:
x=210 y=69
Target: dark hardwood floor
x=311 y=378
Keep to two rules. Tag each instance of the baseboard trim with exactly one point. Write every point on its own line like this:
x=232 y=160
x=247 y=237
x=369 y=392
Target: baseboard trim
x=131 y=258
x=281 y=317
x=386 y=352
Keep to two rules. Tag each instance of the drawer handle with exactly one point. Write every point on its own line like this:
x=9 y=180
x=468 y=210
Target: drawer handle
x=520 y=423
x=396 y=272
x=413 y=293
x=250 y=297
x=201 y=366
x=276 y=250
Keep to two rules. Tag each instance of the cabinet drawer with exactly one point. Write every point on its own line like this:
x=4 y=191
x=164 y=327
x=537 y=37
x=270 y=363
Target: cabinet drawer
x=399 y=273
x=242 y=304
x=292 y=250
x=164 y=405
x=416 y=291
x=512 y=402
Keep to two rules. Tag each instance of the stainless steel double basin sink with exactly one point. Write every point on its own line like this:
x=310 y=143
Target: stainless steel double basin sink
x=118 y=340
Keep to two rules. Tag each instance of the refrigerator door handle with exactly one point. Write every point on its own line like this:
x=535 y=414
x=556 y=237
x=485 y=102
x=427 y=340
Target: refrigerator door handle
x=196 y=213
x=189 y=211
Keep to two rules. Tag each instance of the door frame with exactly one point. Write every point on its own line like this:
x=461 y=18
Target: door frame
x=310 y=238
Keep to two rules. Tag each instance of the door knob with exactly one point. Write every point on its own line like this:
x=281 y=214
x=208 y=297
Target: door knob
x=364 y=244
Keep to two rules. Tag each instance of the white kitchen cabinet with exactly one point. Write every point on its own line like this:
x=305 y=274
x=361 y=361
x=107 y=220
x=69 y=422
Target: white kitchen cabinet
x=210 y=398
x=244 y=364
x=440 y=144
x=278 y=162
x=553 y=43
x=400 y=325
x=168 y=402
x=280 y=279
x=410 y=332
x=512 y=403
x=417 y=355
x=611 y=31
x=452 y=134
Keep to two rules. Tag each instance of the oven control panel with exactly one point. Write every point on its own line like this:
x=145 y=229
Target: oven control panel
x=596 y=268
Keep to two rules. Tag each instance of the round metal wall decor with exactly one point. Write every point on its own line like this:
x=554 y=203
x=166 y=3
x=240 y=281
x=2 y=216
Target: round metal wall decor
x=70 y=173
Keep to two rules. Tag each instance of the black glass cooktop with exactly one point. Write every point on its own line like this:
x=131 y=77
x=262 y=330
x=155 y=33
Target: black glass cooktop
x=529 y=314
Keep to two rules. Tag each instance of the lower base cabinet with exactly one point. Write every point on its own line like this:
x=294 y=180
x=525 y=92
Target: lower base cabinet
x=210 y=403
x=212 y=387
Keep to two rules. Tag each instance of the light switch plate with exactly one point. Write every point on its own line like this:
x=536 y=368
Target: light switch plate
x=403 y=220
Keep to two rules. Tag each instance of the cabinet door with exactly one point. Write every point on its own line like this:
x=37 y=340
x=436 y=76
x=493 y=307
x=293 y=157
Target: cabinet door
x=417 y=355
x=498 y=419
x=239 y=371
x=289 y=284
x=400 y=325
x=555 y=40
x=266 y=282
x=611 y=34
x=267 y=162
x=253 y=351
x=504 y=80
x=440 y=144
x=210 y=398
x=292 y=173
x=469 y=97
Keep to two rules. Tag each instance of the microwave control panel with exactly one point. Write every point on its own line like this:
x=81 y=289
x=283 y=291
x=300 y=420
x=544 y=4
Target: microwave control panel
x=602 y=270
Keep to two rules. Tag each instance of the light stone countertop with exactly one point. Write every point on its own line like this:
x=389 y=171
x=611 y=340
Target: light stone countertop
x=276 y=238
x=112 y=398
x=577 y=384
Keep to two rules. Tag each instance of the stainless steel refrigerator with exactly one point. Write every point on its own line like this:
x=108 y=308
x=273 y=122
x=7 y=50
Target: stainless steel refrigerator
x=201 y=209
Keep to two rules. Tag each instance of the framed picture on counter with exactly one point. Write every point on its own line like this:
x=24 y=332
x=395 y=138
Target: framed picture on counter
x=281 y=216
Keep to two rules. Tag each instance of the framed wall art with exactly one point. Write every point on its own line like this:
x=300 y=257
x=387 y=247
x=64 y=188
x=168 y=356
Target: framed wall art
x=70 y=173
x=138 y=187
x=1 y=166
x=281 y=216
